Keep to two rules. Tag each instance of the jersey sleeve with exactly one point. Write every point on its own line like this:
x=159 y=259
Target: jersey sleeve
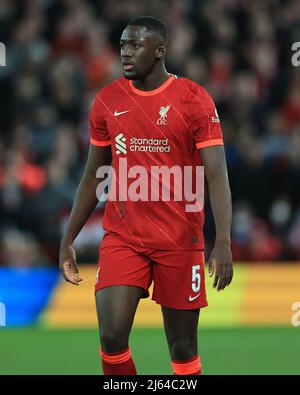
x=97 y=125
x=205 y=125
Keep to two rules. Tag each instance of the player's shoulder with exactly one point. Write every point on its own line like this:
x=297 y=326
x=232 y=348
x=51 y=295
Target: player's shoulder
x=192 y=87
x=113 y=88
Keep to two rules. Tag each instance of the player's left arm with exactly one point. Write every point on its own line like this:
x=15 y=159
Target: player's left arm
x=215 y=170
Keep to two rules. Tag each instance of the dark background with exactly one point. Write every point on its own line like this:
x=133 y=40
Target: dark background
x=60 y=53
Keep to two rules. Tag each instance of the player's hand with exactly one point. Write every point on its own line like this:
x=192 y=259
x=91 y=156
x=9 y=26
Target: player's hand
x=68 y=265
x=220 y=263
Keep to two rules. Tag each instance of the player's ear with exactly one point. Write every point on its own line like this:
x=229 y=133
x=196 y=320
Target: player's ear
x=160 y=51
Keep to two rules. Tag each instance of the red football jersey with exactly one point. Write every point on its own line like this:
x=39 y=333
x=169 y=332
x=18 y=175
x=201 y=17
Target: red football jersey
x=147 y=130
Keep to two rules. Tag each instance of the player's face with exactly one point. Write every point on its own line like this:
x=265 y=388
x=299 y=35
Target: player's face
x=140 y=50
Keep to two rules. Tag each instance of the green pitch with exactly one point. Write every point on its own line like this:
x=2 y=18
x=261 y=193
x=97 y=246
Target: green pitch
x=223 y=351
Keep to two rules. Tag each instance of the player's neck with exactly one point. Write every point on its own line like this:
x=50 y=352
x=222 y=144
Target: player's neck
x=153 y=81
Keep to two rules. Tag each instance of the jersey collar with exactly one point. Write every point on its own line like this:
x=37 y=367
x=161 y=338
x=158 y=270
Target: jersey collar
x=154 y=91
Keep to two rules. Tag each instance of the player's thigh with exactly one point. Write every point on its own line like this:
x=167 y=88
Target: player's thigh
x=123 y=277
x=116 y=307
x=180 y=325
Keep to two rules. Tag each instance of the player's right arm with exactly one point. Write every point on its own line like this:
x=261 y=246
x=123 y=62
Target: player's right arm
x=84 y=204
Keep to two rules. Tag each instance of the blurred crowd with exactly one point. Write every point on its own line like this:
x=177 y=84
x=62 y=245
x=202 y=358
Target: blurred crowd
x=59 y=53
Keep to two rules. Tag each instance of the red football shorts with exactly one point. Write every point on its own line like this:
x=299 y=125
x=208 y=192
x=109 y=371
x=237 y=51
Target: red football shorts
x=178 y=276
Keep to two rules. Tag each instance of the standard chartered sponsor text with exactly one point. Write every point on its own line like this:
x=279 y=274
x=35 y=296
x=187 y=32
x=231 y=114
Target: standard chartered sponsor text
x=149 y=145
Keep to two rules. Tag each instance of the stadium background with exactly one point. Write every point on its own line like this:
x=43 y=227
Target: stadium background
x=59 y=54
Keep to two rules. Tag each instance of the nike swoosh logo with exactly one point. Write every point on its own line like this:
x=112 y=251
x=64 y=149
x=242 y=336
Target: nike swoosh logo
x=116 y=113
x=191 y=298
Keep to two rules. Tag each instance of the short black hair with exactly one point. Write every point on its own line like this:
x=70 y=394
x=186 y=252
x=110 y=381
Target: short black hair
x=153 y=24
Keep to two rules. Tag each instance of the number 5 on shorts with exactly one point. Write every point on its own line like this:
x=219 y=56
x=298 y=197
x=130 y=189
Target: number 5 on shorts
x=196 y=278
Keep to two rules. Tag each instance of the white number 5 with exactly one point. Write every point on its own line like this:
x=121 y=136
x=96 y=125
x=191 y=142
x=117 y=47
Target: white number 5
x=196 y=278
